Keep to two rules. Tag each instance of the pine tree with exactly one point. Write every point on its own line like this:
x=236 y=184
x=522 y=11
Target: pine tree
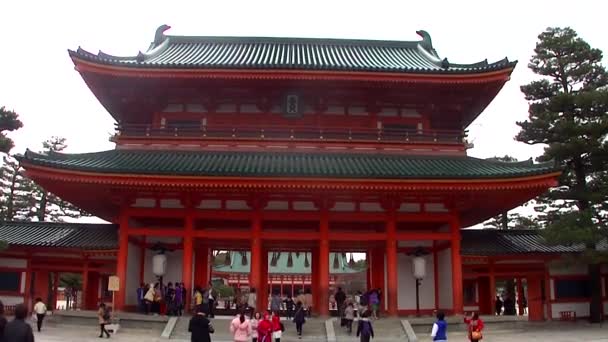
x=15 y=198
x=50 y=207
x=9 y=121
x=506 y=220
x=568 y=114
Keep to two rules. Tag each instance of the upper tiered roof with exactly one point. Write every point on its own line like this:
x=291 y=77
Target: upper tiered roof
x=312 y=54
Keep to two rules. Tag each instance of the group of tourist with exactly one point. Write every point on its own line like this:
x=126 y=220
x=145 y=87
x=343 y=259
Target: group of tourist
x=157 y=299
x=266 y=327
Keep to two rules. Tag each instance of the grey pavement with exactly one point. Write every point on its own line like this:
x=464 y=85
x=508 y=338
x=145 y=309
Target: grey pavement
x=385 y=331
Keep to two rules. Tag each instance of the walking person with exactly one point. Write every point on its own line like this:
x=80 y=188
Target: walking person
x=179 y=305
x=340 y=298
x=439 y=333
x=474 y=327
x=200 y=327
x=498 y=305
x=2 y=320
x=254 y=326
x=349 y=317
x=40 y=311
x=299 y=318
x=240 y=327
x=289 y=305
x=210 y=297
x=103 y=317
x=277 y=327
x=149 y=299
x=265 y=329
x=374 y=302
x=364 y=329
x=252 y=301
x=140 y=293
x=275 y=303
x=18 y=330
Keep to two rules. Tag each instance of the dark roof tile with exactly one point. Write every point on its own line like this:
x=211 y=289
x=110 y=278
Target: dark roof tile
x=60 y=235
x=488 y=242
x=292 y=54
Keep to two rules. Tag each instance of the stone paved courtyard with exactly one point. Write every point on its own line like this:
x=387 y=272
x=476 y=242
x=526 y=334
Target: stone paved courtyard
x=552 y=333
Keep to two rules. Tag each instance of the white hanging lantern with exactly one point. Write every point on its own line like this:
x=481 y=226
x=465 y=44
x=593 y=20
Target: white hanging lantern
x=159 y=265
x=419 y=267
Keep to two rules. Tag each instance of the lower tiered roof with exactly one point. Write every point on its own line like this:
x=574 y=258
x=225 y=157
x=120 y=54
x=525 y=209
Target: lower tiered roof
x=475 y=242
x=286 y=164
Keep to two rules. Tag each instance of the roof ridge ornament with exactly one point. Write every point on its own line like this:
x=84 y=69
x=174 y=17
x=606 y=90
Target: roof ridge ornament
x=427 y=42
x=159 y=36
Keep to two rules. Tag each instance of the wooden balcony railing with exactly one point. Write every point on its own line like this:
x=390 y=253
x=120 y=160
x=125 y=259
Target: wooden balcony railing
x=216 y=132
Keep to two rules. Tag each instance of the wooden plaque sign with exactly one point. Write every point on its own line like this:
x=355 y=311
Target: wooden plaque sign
x=113 y=283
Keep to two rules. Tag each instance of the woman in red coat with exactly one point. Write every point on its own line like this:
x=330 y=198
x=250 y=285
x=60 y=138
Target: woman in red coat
x=474 y=326
x=265 y=329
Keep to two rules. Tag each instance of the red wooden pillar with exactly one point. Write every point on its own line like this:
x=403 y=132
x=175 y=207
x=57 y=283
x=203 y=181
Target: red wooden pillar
x=55 y=285
x=368 y=260
x=535 y=303
x=92 y=291
x=323 y=285
x=263 y=296
x=492 y=286
x=377 y=270
x=121 y=260
x=187 y=256
x=28 y=284
x=142 y=260
x=436 y=275
x=457 y=291
x=391 y=263
x=201 y=276
x=520 y=295
x=41 y=286
x=255 y=273
x=85 y=286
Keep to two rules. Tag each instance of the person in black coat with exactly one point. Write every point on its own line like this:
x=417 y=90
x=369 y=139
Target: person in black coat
x=18 y=330
x=200 y=327
x=2 y=320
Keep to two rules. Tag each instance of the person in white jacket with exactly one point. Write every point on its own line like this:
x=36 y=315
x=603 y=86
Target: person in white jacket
x=40 y=311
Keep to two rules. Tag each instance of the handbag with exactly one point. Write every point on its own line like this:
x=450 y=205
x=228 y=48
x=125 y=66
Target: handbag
x=476 y=335
x=211 y=329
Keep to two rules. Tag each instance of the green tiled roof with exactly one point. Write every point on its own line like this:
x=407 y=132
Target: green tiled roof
x=304 y=165
x=188 y=52
x=299 y=264
x=60 y=235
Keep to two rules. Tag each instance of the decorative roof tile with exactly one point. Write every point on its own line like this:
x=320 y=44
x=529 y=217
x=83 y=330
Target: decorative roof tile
x=488 y=242
x=266 y=164
x=190 y=52
x=60 y=235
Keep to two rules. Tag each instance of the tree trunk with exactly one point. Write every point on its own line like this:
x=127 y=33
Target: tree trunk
x=595 y=306
x=11 y=198
x=42 y=209
x=504 y=220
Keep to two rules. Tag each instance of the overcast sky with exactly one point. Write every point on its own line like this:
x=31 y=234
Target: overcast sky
x=38 y=81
